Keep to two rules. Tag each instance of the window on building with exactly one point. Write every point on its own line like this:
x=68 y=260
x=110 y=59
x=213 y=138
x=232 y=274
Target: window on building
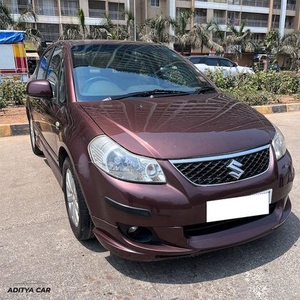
x=116 y=11
x=155 y=3
x=96 y=9
x=69 y=7
x=45 y=7
x=50 y=32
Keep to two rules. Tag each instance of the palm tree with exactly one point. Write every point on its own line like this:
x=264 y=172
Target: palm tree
x=24 y=22
x=74 y=31
x=290 y=45
x=272 y=42
x=71 y=32
x=218 y=33
x=200 y=37
x=156 y=30
x=129 y=25
x=239 y=39
x=180 y=28
x=6 y=21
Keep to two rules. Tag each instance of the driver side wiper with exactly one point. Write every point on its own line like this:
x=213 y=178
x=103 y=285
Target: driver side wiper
x=205 y=89
x=147 y=94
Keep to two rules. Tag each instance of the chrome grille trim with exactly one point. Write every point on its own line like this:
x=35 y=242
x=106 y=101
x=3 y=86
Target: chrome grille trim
x=222 y=161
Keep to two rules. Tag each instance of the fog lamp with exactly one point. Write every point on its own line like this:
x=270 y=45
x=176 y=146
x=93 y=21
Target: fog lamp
x=132 y=229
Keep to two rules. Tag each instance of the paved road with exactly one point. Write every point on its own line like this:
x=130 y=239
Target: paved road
x=40 y=258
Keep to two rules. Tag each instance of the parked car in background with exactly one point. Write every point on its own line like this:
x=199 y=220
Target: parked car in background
x=153 y=160
x=207 y=63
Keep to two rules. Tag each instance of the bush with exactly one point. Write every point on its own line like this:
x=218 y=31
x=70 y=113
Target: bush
x=259 y=88
x=12 y=93
x=253 y=97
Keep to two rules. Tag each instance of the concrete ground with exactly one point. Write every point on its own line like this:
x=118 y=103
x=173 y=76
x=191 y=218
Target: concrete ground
x=41 y=259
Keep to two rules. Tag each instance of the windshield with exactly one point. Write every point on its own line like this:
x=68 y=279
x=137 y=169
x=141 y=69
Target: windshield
x=116 y=71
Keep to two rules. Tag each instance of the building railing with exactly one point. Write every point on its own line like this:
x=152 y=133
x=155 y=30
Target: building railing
x=256 y=23
x=258 y=3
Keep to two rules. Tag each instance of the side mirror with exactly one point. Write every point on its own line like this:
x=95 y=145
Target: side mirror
x=40 y=88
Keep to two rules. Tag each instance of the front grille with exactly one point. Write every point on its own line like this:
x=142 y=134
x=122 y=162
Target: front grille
x=216 y=170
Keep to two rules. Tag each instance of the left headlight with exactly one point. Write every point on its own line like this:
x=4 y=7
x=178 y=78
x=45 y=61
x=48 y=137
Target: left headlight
x=278 y=143
x=120 y=163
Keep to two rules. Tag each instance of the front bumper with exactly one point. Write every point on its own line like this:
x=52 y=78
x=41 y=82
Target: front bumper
x=256 y=228
x=176 y=212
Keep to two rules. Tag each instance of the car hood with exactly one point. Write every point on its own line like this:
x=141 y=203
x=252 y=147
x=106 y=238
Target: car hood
x=181 y=127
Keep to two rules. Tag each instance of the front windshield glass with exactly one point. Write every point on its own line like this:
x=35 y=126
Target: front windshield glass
x=108 y=71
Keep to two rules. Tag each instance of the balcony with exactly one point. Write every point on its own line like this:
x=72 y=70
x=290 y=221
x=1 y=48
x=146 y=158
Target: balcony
x=220 y=20
x=234 y=21
x=289 y=6
x=46 y=10
x=257 y=3
x=256 y=23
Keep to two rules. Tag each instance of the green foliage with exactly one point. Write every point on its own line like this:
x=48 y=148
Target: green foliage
x=254 y=97
x=12 y=93
x=259 y=88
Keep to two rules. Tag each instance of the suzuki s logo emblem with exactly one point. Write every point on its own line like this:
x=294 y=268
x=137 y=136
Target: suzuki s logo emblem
x=235 y=166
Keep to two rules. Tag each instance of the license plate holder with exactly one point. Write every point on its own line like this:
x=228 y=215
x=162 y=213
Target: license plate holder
x=238 y=207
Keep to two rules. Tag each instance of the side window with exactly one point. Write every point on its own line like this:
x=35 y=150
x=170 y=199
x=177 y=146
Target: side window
x=53 y=72
x=197 y=60
x=226 y=63
x=212 y=62
x=44 y=64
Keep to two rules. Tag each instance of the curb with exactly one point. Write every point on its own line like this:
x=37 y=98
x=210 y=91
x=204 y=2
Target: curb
x=13 y=129
x=277 y=108
x=22 y=129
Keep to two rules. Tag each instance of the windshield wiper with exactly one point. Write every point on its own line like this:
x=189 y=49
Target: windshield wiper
x=204 y=89
x=147 y=94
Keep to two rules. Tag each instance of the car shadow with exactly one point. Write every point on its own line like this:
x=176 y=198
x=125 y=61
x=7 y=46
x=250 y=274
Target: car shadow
x=93 y=245
x=215 y=265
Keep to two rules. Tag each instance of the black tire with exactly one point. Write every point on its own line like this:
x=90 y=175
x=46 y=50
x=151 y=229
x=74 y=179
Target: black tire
x=79 y=217
x=35 y=149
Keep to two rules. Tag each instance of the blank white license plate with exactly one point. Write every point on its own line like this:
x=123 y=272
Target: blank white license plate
x=238 y=207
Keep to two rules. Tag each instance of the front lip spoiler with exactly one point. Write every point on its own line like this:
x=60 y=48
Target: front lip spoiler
x=128 y=209
x=136 y=252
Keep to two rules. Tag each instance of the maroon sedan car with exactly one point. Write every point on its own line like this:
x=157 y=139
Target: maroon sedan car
x=154 y=161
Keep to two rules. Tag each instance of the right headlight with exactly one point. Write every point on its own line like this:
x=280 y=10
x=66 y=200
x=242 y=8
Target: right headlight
x=278 y=143
x=120 y=163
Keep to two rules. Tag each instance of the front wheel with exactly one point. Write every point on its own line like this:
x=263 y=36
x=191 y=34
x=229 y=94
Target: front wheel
x=79 y=217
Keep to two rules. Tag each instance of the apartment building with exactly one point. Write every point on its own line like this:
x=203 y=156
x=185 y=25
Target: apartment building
x=260 y=15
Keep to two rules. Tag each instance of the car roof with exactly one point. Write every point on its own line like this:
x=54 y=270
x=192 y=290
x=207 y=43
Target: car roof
x=208 y=56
